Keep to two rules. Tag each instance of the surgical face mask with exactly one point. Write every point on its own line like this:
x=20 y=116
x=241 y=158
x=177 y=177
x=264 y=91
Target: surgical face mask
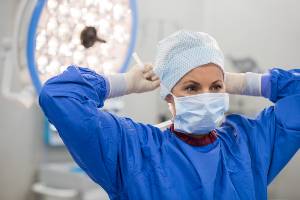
x=200 y=114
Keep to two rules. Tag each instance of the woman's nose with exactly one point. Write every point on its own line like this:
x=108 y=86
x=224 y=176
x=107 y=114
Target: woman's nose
x=205 y=90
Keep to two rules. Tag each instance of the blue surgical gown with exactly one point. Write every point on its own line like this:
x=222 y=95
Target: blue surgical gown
x=131 y=160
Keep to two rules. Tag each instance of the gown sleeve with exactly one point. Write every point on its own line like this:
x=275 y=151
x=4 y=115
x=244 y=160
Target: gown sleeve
x=274 y=136
x=105 y=146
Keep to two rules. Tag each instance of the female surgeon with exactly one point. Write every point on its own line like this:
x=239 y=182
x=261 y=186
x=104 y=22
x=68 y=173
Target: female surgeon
x=203 y=154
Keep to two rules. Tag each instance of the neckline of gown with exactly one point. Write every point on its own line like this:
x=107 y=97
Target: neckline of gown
x=203 y=141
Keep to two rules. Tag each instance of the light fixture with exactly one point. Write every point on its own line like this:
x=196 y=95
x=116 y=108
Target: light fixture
x=99 y=34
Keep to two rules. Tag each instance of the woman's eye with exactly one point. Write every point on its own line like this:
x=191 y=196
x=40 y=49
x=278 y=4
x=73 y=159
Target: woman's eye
x=190 y=89
x=216 y=87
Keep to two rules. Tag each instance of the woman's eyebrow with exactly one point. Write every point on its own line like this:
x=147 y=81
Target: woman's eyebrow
x=191 y=81
x=216 y=81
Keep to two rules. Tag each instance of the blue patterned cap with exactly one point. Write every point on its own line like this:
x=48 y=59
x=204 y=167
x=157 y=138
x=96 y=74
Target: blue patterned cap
x=181 y=52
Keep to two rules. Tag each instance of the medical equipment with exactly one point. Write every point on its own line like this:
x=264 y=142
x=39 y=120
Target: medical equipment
x=103 y=37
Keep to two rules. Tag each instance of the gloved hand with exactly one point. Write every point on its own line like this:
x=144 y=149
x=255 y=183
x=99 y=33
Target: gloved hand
x=243 y=83
x=136 y=80
x=140 y=80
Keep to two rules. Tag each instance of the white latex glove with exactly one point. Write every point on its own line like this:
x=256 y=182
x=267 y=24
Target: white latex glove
x=136 y=80
x=139 y=80
x=243 y=83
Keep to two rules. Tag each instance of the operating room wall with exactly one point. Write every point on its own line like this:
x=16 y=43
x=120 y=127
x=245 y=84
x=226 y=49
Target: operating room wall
x=265 y=30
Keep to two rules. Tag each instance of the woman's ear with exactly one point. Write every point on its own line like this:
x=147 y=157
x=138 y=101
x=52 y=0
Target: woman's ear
x=169 y=98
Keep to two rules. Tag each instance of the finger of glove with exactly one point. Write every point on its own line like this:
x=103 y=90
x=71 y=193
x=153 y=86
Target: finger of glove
x=147 y=68
x=148 y=86
x=155 y=84
x=149 y=74
x=154 y=78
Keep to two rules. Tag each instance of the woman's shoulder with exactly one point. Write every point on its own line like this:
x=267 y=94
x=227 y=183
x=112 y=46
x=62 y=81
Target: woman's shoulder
x=244 y=121
x=239 y=126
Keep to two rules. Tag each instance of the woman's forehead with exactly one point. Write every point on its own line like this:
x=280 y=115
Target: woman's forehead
x=205 y=73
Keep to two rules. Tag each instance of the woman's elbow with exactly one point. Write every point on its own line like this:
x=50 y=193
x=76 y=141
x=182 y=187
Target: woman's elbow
x=48 y=102
x=44 y=97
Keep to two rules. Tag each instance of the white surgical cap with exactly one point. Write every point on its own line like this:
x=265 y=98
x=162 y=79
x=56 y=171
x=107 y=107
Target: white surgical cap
x=181 y=52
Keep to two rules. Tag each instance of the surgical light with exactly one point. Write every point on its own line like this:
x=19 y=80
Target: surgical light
x=99 y=34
